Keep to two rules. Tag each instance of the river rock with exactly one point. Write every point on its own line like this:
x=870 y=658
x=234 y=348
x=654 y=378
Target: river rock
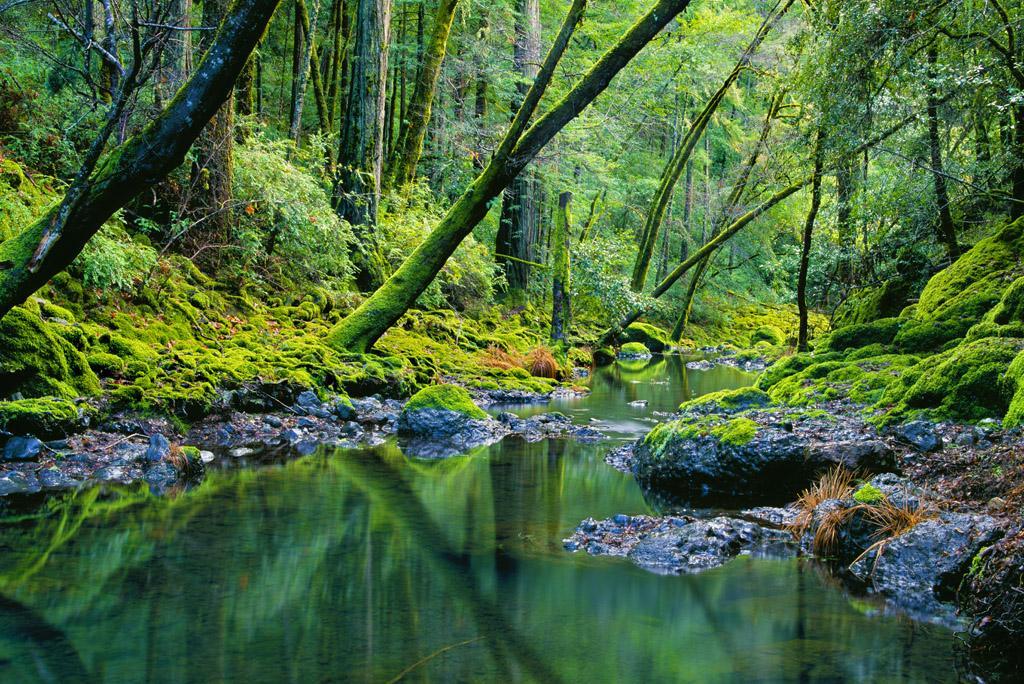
x=159 y=448
x=677 y=545
x=16 y=482
x=22 y=449
x=438 y=433
x=921 y=569
x=760 y=457
x=921 y=435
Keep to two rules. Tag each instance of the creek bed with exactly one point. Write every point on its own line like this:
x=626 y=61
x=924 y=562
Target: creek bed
x=363 y=565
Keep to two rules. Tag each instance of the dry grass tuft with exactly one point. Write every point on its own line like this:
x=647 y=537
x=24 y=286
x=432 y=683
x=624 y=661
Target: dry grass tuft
x=496 y=357
x=541 y=363
x=835 y=484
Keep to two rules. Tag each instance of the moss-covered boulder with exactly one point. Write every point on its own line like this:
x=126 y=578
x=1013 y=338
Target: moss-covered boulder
x=882 y=331
x=752 y=457
x=47 y=418
x=770 y=334
x=869 y=304
x=634 y=350
x=35 y=361
x=652 y=337
x=442 y=420
x=445 y=398
x=604 y=356
x=859 y=380
x=968 y=382
x=727 y=401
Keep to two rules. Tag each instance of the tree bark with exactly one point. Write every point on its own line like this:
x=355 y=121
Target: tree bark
x=805 y=249
x=513 y=250
x=361 y=158
x=361 y=329
x=946 y=228
x=561 y=241
x=307 y=63
x=135 y=165
x=211 y=174
x=414 y=130
x=678 y=163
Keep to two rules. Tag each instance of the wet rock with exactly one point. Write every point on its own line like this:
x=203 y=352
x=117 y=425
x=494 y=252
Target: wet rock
x=702 y=545
x=437 y=433
x=16 y=482
x=114 y=474
x=291 y=436
x=676 y=545
x=922 y=568
x=702 y=365
x=772 y=516
x=343 y=410
x=639 y=403
x=308 y=400
x=161 y=476
x=207 y=456
x=54 y=479
x=755 y=458
x=159 y=448
x=22 y=449
x=272 y=421
x=921 y=435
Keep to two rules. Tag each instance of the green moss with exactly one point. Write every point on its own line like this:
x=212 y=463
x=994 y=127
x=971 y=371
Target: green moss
x=634 y=349
x=104 y=364
x=736 y=432
x=44 y=418
x=929 y=336
x=968 y=382
x=37 y=363
x=1013 y=383
x=738 y=399
x=882 y=331
x=871 y=303
x=869 y=494
x=447 y=397
x=651 y=337
x=604 y=356
x=770 y=334
x=862 y=381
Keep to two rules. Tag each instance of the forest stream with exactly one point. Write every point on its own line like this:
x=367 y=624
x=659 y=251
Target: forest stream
x=366 y=565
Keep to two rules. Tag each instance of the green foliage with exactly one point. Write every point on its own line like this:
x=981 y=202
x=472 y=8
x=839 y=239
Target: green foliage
x=286 y=222
x=113 y=260
x=448 y=398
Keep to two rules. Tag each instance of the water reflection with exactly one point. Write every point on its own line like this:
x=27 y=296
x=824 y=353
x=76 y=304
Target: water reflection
x=364 y=565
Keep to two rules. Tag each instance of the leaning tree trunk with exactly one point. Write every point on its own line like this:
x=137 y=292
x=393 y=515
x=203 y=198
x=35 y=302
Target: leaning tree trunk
x=678 y=164
x=410 y=142
x=43 y=249
x=805 y=250
x=361 y=158
x=513 y=249
x=361 y=329
x=946 y=228
x=561 y=239
x=211 y=175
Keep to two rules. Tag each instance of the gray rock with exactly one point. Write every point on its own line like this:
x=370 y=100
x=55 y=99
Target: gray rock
x=161 y=475
x=343 y=410
x=55 y=479
x=272 y=421
x=702 y=545
x=921 y=435
x=22 y=449
x=308 y=399
x=921 y=569
x=438 y=433
x=114 y=474
x=159 y=448
x=16 y=482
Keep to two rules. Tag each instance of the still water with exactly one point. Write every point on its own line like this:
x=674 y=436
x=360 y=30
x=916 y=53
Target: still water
x=365 y=566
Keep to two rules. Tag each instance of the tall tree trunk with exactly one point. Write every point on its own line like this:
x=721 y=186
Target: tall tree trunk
x=561 y=241
x=334 y=72
x=43 y=249
x=410 y=143
x=677 y=164
x=513 y=249
x=307 y=64
x=211 y=174
x=361 y=329
x=805 y=249
x=1017 y=173
x=946 y=229
x=361 y=158
x=245 y=89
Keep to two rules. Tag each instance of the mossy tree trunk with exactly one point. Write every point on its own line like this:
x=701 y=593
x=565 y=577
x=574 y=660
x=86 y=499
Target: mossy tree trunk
x=946 y=228
x=513 y=247
x=307 y=64
x=361 y=329
x=679 y=162
x=728 y=211
x=211 y=174
x=410 y=142
x=43 y=249
x=561 y=240
x=805 y=248
x=361 y=157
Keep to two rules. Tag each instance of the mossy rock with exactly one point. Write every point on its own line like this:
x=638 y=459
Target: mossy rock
x=882 y=331
x=862 y=381
x=968 y=382
x=869 y=495
x=634 y=350
x=770 y=334
x=869 y=304
x=729 y=400
x=37 y=362
x=1014 y=386
x=447 y=398
x=791 y=365
x=653 y=338
x=46 y=418
x=605 y=356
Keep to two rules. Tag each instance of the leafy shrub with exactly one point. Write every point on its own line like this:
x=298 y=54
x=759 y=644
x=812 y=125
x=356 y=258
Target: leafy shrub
x=113 y=260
